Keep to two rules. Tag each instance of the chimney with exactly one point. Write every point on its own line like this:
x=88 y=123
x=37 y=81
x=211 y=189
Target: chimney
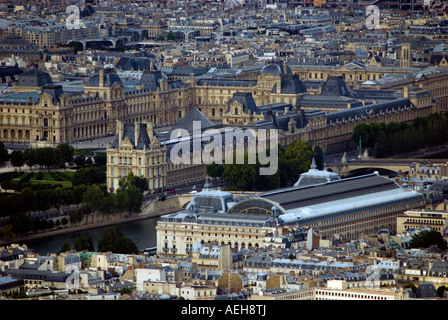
x=101 y=78
x=149 y=128
x=406 y=92
x=136 y=133
x=119 y=130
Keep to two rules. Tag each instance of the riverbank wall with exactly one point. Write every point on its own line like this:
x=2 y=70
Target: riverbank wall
x=150 y=210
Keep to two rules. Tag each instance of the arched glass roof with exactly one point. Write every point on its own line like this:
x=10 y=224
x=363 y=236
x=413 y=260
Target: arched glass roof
x=256 y=206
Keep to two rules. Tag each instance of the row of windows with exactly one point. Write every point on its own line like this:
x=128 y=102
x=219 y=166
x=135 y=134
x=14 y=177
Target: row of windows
x=349 y=295
x=180 y=228
x=124 y=160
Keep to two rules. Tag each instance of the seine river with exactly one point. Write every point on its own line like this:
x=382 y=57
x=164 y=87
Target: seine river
x=142 y=232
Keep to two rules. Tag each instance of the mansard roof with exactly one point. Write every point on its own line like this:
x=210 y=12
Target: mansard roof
x=186 y=122
x=34 y=78
x=369 y=110
x=335 y=86
x=109 y=79
x=246 y=99
x=143 y=141
x=275 y=70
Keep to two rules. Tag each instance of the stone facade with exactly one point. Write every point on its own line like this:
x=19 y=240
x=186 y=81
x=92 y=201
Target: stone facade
x=46 y=112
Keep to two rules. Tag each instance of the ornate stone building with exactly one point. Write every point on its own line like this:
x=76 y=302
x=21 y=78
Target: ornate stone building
x=136 y=149
x=346 y=208
x=39 y=109
x=205 y=221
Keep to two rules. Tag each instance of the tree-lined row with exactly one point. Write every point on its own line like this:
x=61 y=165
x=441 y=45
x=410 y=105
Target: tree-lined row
x=48 y=157
x=112 y=240
x=293 y=160
x=22 y=206
x=402 y=137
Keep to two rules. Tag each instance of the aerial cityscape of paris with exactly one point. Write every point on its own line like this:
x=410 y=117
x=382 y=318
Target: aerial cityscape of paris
x=242 y=151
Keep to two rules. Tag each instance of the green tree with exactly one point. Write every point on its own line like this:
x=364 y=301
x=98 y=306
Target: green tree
x=135 y=199
x=47 y=157
x=64 y=221
x=239 y=176
x=100 y=159
x=65 y=247
x=441 y=291
x=124 y=245
x=29 y=200
x=17 y=158
x=20 y=222
x=6 y=232
x=110 y=204
x=299 y=153
x=89 y=176
x=108 y=237
x=140 y=182
x=80 y=160
x=426 y=239
x=215 y=170
x=65 y=154
x=122 y=201
x=365 y=132
x=76 y=216
x=318 y=154
x=31 y=157
x=84 y=243
x=93 y=199
x=4 y=156
x=170 y=36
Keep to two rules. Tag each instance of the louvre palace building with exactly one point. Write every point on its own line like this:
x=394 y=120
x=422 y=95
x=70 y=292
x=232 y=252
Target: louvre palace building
x=322 y=113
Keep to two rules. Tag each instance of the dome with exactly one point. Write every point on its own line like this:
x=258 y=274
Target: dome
x=275 y=70
x=293 y=86
x=109 y=79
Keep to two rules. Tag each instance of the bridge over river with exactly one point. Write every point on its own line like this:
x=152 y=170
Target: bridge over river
x=389 y=167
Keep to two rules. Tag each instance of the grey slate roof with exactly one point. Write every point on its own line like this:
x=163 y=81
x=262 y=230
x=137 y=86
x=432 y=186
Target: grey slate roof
x=336 y=190
x=275 y=70
x=368 y=110
x=335 y=86
x=246 y=99
x=34 y=78
x=186 y=122
x=426 y=290
x=143 y=139
x=38 y=275
x=151 y=79
x=228 y=82
x=134 y=63
x=109 y=79
x=292 y=85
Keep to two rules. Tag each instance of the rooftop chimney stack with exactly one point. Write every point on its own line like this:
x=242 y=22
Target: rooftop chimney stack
x=101 y=78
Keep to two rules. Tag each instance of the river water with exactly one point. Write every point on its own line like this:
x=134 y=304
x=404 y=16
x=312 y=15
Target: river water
x=142 y=232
